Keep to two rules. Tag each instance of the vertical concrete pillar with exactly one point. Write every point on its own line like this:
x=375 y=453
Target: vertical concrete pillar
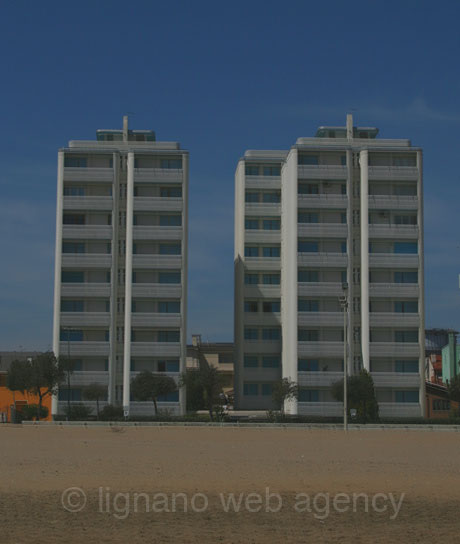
x=365 y=334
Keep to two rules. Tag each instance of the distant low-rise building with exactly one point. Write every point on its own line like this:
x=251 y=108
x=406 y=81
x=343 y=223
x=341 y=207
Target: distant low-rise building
x=438 y=404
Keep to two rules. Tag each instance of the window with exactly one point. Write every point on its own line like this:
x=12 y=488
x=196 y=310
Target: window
x=406 y=306
x=267 y=389
x=305 y=246
x=73 y=247
x=168 y=336
x=271 y=224
x=72 y=276
x=251 y=197
x=75 y=162
x=343 y=217
x=405 y=219
x=406 y=336
x=405 y=190
x=74 y=191
x=170 y=220
x=343 y=160
x=169 y=307
x=307 y=335
x=308 y=305
x=251 y=279
x=309 y=159
x=308 y=395
x=272 y=171
x=271 y=198
x=175 y=164
x=343 y=276
x=441 y=405
x=404 y=160
x=170 y=249
x=271 y=334
x=172 y=366
x=406 y=366
x=74 y=396
x=405 y=247
x=251 y=251
x=271 y=251
x=308 y=276
x=73 y=219
x=308 y=365
x=271 y=279
x=251 y=224
x=271 y=306
x=72 y=305
x=343 y=189
x=169 y=277
x=250 y=389
x=250 y=361
x=343 y=247
x=406 y=396
x=307 y=217
x=250 y=306
x=405 y=277
x=161 y=366
x=170 y=397
x=71 y=335
x=251 y=334
x=252 y=170
x=308 y=189
x=270 y=361
x=171 y=192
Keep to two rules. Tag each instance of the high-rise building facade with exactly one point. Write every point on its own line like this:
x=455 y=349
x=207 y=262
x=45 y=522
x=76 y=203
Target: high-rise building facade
x=338 y=216
x=121 y=264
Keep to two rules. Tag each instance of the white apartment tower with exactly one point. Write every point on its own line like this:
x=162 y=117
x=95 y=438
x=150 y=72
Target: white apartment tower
x=121 y=263
x=337 y=214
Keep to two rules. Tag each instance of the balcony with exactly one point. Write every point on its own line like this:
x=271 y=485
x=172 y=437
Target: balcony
x=394 y=231
x=157 y=261
x=85 y=348
x=263 y=182
x=83 y=378
x=322 y=171
x=391 y=319
x=396 y=379
x=338 y=260
x=320 y=349
x=329 y=201
x=400 y=409
x=318 y=379
x=86 y=260
x=329 y=319
x=394 y=289
x=88 y=174
x=262 y=263
x=93 y=232
x=157 y=233
x=262 y=236
x=393 y=260
x=392 y=202
x=393 y=173
x=154 y=290
x=142 y=319
x=98 y=203
x=265 y=291
x=320 y=289
x=262 y=319
x=320 y=408
x=263 y=208
x=163 y=175
x=84 y=319
x=144 y=203
x=153 y=349
x=323 y=230
x=394 y=349
x=262 y=346
x=101 y=290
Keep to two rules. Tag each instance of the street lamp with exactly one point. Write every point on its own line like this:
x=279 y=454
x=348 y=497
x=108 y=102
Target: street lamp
x=344 y=304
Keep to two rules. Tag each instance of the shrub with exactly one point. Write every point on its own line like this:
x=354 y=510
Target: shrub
x=29 y=412
x=78 y=412
x=111 y=412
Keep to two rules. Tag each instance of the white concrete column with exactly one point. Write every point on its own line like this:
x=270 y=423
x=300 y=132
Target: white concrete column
x=421 y=283
x=58 y=266
x=183 y=332
x=128 y=282
x=350 y=244
x=364 y=164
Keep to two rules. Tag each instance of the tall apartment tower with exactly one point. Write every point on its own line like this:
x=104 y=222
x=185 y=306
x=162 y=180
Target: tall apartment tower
x=121 y=263
x=340 y=214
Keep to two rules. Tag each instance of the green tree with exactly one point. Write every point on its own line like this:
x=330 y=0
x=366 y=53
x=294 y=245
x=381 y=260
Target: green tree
x=149 y=386
x=208 y=378
x=361 y=396
x=44 y=377
x=284 y=390
x=95 y=392
x=17 y=378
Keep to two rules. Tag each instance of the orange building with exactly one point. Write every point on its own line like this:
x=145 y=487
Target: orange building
x=438 y=404
x=7 y=401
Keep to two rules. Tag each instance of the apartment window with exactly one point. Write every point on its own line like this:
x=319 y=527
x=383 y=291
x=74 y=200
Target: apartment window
x=251 y=224
x=271 y=279
x=308 y=395
x=309 y=159
x=406 y=306
x=170 y=397
x=405 y=219
x=308 y=189
x=271 y=224
x=251 y=196
x=169 y=277
x=307 y=217
x=343 y=160
x=250 y=389
x=271 y=197
x=72 y=276
x=406 y=366
x=406 y=396
x=343 y=189
x=251 y=251
x=271 y=334
x=405 y=190
x=251 y=279
x=440 y=405
x=406 y=336
x=171 y=192
x=404 y=160
x=74 y=395
x=307 y=335
x=343 y=247
x=174 y=164
x=250 y=306
x=343 y=276
x=172 y=366
x=308 y=365
x=168 y=336
x=72 y=305
x=272 y=171
x=73 y=247
x=73 y=219
x=71 y=335
x=308 y=276
x=251 y=334
x=170 y=249
x=74 y=191
x=169 y=307
x=161 y=366
x=252 y=170
x=405 y=277
x=308 y=305
x=267 y=389
x=271 y=306
x=343 y=217
x=75 y=162
x=250 y=361
x=304 y=246
x=170 y=220
x=406 y=247
x=270 y=361
x=271 y=251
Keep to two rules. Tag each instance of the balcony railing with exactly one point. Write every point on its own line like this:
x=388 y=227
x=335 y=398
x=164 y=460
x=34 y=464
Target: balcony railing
x=318 y=379
x=86 y=260
x=394 y=289
x=262 y=346
x=101 y=290
x=94 y=232
x=393 y=202
x=393 y=172
x=262 y=236
x=320 y=319
x=323 y=348
x=394 y=231
x=150 y=203
x=154 y=290
x=400 y=409
x=394 y=319
x=396 y=379
x=88 y=174
x=265 y=182
x=393 y=260
x=322 y=171
x=262 y=291
x=85 y=348
x=262 y=319
x=263 y=208
x=322 y=259
x=320 y=408
x=394 y=349
x=323 y=230
x=82 y=378
x=141 y=319
x=151 y=349
x=331 y=201
x=98 y=203
x=157 y=261
x=320 y=289
x=163 y=175
x=83 y=319
x=262 y=263
x=157 y=233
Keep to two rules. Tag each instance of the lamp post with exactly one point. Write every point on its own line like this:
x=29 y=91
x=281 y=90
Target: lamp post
x=344 y=304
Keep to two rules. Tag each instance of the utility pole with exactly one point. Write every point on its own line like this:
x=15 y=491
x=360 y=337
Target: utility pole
x=344 y=304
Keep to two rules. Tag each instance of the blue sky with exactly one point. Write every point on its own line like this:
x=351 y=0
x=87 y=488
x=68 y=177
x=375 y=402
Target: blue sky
x=220 y=78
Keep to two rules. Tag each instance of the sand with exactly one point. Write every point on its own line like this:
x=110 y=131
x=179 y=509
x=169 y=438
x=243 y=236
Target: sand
x=421 y=471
